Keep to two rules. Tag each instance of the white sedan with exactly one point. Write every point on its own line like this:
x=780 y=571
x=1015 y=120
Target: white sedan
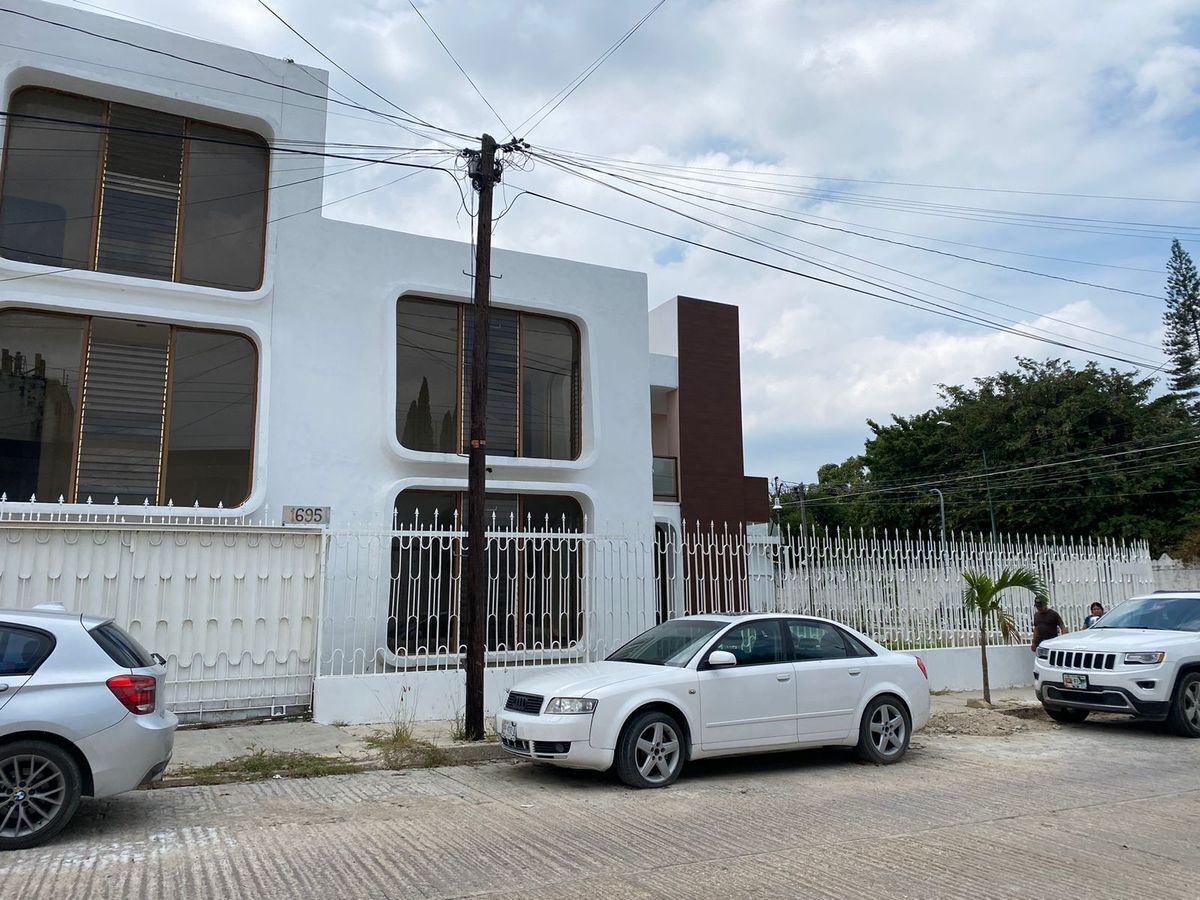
x=705 y=686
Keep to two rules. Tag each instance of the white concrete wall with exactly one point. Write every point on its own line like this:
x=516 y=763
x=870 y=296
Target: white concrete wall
x=1175 y=575
x=958 y=668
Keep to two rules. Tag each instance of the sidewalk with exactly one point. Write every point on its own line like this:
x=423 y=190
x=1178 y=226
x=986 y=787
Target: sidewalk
x=213 y=754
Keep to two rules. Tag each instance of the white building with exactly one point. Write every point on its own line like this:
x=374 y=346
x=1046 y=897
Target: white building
x=181 y=327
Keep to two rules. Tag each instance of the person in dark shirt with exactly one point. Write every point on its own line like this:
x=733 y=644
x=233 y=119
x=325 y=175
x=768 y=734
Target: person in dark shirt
x=1046 y=623
x=1097 y=610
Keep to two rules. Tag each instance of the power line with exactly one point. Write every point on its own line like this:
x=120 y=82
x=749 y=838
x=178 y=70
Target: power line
x=925 y=305
x=575 y=83
x=338 y=65
x=458 y=65
x=934 y=250
x=979 y=214
x=323 y=98
x=944 y=187
x=985 y=298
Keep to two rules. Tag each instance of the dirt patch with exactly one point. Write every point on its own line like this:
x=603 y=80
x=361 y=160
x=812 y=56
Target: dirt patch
x=999 y=722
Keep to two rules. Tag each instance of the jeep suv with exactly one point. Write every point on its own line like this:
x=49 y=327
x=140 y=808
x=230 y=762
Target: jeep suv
x=1141 y=659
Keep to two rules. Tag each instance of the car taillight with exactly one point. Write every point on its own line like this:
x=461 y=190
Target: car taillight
x=921 y=666
x=136 y=692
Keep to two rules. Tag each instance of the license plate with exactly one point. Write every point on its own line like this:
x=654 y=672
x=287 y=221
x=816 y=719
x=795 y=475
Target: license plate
x=508 y=731
x=1079 y=682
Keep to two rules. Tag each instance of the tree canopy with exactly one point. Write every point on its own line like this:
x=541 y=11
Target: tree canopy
x=1069 y=451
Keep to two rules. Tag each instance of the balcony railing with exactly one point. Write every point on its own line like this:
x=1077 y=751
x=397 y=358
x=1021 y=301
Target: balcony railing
x=666 y=478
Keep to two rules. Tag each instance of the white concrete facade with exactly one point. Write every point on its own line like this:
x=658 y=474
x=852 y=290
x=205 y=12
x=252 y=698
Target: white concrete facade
x=324 y=320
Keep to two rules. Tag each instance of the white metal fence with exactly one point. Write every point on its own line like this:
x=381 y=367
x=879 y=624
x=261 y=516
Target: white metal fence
x=248 y=615
x=233 y=608
x=393 y=598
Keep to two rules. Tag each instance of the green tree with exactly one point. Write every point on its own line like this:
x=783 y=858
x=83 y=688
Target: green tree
x=982 y=597
x=1181 y=339
x=1040 y=413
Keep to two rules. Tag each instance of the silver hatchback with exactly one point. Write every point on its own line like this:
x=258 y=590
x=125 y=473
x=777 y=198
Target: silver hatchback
x=81 y=715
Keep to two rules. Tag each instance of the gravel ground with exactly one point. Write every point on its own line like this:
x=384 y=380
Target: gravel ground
x=1102 y=810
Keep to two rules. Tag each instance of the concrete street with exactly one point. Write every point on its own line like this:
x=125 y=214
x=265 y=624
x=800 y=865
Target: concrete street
x=1109 y=809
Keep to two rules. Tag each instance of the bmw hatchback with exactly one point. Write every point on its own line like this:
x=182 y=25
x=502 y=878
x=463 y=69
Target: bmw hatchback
x=81 y=715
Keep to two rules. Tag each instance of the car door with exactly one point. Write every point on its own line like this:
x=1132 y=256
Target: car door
x=22 y=650
x=830 y=678
x=752 y=704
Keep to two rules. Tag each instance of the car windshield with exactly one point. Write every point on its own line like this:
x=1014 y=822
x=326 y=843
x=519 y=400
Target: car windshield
x=1156 y=613
x=672 y=643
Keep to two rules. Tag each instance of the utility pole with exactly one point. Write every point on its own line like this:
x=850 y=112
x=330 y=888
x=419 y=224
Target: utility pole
x=942 y=510
x=484 y=174
x=987 y=481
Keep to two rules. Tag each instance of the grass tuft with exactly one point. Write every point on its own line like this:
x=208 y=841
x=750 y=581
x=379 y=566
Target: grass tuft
x=263 y=763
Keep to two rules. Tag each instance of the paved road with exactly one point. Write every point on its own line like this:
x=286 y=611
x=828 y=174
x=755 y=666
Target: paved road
x=1106 y=810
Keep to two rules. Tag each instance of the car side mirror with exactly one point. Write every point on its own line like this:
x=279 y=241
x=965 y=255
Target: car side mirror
x=721 y=659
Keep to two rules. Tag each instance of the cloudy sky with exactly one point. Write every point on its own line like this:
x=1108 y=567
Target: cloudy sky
x=1011 y=104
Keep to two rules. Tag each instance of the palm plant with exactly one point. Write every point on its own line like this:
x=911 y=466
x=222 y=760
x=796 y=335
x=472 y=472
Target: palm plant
x=982 y=596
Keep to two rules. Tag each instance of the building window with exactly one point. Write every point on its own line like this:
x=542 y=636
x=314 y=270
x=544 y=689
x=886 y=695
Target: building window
x=533 y=381
x=534 y=583
x=106 y=409
x=89 y=184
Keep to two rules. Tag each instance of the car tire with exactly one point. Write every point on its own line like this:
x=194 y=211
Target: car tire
x=1065 y=715
x=884 y=731
x=40 y=788
x=1184 y=715
x=651 y=750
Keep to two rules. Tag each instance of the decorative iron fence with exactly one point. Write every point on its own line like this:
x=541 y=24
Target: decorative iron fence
x=393 y=599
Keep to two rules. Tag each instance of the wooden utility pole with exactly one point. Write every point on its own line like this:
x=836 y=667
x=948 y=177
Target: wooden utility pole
x=474 y=606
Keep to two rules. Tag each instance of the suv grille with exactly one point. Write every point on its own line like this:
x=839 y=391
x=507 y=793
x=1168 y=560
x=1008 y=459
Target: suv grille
x=524 y=703
x=1077 y=659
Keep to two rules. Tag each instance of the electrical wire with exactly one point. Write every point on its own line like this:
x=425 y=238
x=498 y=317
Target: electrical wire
x=985 y=298
x=458 y=65
x=577 y=82
x=924 y=305
x=933 y=250
x=408 y=118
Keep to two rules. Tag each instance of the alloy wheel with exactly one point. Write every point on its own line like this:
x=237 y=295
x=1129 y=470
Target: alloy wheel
x=887 y=729
x=1191 y=704
x=33 y=790
x=656 y=752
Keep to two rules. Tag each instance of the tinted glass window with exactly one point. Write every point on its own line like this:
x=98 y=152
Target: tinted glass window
x=48 y=207
x=123 y=410
x=502 y=381
x=855 y=647
x=142 y=193
x=223 y=211
x=815 y=640
x=427 y=371
x=40 y=356
x=755 y=643
x=22 y=650
x=211 y=436
x=121 y=647
x=549 y=387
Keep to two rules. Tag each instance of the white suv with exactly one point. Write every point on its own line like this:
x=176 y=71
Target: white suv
x=1141 y=659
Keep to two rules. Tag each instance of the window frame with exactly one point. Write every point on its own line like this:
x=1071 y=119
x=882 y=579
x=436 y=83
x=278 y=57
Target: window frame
x=164 y=442
x=463 y=388
x=101 y=157
x=850 y=644
x=52 y=642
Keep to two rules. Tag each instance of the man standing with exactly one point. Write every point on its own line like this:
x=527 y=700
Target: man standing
x=1046 y=623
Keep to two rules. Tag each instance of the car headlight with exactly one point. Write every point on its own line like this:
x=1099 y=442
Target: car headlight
x=1144 y=657
x=1043 y=653
x=570 y=706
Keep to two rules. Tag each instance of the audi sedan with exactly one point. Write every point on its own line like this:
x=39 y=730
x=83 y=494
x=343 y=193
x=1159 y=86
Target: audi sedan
x=81 y=715
x=707 y=686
